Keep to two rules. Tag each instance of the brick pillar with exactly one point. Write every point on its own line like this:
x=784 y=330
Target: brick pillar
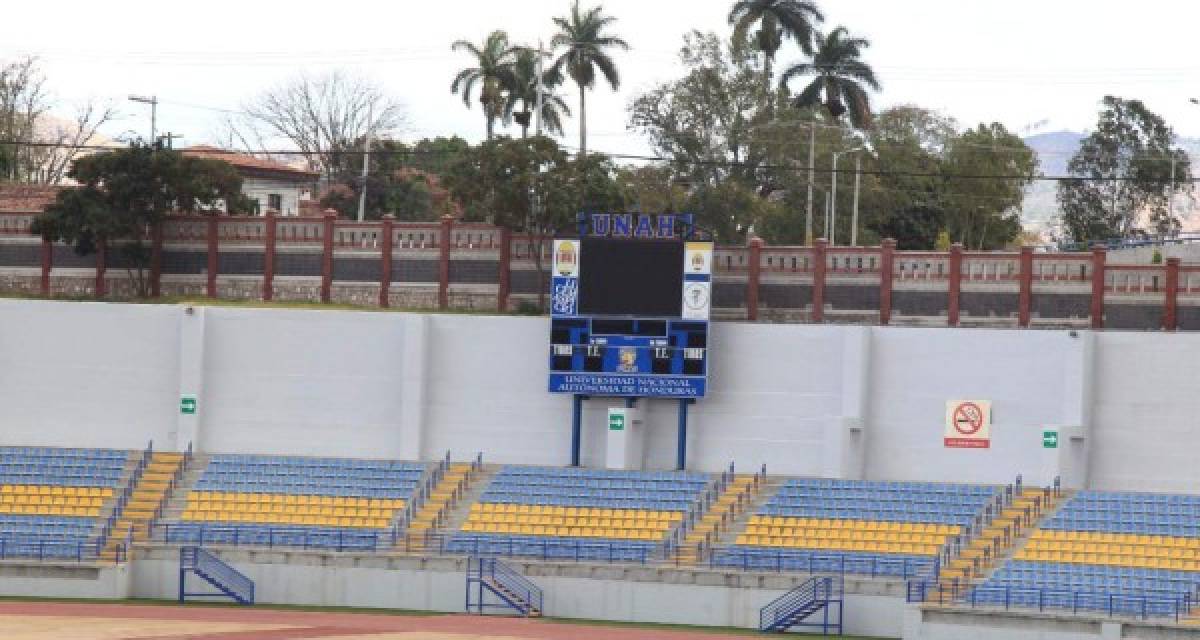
x=101 y=257
x=1097 y=310
x=505 y=268
x=1025 y=297
x=213 y=254
x=156 y=249
x=268 y=285
x=444 y=263
x=327 y=256
x=385 y=260
x=818 y=290
x=47 y=265
x=954 y=297
x=887 y=266
x=753 y=276
x=1171 y=297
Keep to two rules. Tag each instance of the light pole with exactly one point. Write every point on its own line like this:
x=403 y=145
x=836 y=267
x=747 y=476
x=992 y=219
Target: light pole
x=864 y=145
x=153 y=102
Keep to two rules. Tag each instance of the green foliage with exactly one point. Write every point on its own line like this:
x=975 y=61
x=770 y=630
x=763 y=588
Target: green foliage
x=492 y=73
x=984 y=213
x=840 y=78
x=916 y=227
x=652 y=189
x=776 y=20
x=585 y=41
x=1157 y=258
x=1123 y=176
x=522 y=95
x=707 y=118
x=124 y=194
x=400 y=179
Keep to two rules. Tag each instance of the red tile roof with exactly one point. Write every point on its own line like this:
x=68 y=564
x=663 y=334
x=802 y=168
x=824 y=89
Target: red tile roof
x=245 y=161
x=26 y=198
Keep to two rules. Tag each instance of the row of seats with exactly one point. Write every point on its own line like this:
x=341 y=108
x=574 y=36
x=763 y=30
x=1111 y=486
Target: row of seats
x=1114 y=547
x=38 y=455
x=573 y=512
x=298 y=510
x=82 y=477
x=332 y=538
x=62 y=501
x=640 y=522
x=838 y=545
x=294 y=500
x=822 y=561
x=50 y=510
x=225 y=460
x=551 y=547
x=844 y=534
x=631 y=533
x=354 y=522
x=669 y=477
x=43 y=490
x=854 y=525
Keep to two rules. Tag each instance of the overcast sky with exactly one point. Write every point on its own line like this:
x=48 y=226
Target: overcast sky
x=1019 y=62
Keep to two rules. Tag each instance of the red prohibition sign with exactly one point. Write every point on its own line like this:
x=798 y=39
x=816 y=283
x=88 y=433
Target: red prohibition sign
x=968 y=418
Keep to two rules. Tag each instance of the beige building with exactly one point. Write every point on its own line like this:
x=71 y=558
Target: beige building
x=273 y=185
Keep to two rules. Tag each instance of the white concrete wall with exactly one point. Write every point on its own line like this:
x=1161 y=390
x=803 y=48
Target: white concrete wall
x=832 y=401
x=258 y=188
x=87 y=374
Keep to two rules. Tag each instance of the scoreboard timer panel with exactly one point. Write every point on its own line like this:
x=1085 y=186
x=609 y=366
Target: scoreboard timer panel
x=629 y=317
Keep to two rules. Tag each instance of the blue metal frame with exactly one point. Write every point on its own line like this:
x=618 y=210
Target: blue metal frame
x=794 y=607
x=515 y=591
x=230 y=582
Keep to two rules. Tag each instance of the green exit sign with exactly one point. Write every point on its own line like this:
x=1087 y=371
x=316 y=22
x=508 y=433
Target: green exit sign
x=187 y=405
x=1050 y=439
x=616 y=422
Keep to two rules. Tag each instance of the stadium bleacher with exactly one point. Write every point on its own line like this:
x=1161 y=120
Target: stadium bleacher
x=1129 y=553
x=51 y=500
x=325 y=503
x=852 y=526
x=577 y=513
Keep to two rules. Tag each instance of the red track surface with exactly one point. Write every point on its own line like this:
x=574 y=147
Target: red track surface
x=327 y=625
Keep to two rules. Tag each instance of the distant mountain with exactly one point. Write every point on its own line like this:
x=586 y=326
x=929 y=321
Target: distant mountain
x=1054 y=151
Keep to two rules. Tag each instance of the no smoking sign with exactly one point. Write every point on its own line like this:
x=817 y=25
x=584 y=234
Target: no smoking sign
x=968 y=424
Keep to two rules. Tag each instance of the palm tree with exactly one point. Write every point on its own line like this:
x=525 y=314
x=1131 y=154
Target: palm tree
x=776 y=19
x=583 y=35
x=840 y=77
x=492 y=71
x=523 y=93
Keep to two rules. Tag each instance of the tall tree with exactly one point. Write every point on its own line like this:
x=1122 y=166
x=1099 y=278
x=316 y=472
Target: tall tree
x=776 y=20
x=704 y=121
x=124 y=194
x=584 y=36
x=1122 y=176
x=321 y=115
x=522 y=94
x=984 y=213
x=492 y=71
x=840 y=78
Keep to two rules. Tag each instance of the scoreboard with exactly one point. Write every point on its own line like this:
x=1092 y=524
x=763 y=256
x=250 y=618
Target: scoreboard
x=629 y=307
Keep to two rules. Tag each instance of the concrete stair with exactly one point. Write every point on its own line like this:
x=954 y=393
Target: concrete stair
x=737 y=498
x=999 y=539
x=447 y=493
x=148 y=495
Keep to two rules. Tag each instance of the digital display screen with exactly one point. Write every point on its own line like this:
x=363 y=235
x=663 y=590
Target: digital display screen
x=631 y=277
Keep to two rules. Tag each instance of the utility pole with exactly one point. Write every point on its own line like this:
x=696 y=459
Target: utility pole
x=857 y=186
x=812 y=172
x=537 y=114
x=153 y=102
x=170 y=138
x=832 y=235
x=362 y=191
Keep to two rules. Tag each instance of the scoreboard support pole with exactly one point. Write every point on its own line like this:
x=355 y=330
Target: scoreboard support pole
x=576 y=427
x=681 y=444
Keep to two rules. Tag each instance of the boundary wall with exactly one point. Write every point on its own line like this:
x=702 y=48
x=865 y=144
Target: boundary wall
x=468 y=266
x=829 y=401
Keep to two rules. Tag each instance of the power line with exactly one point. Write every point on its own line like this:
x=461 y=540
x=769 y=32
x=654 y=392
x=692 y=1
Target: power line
x=645 y=158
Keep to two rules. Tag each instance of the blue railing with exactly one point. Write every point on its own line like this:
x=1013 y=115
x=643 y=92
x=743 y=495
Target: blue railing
x=330 y=540
x=583 y=549
x=510 y=580
x=813 y=593
x=126 y=494
x=1110 y=603
x=1010 y=597
x=833 y=563
x=234 y=583
x=50 y=550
